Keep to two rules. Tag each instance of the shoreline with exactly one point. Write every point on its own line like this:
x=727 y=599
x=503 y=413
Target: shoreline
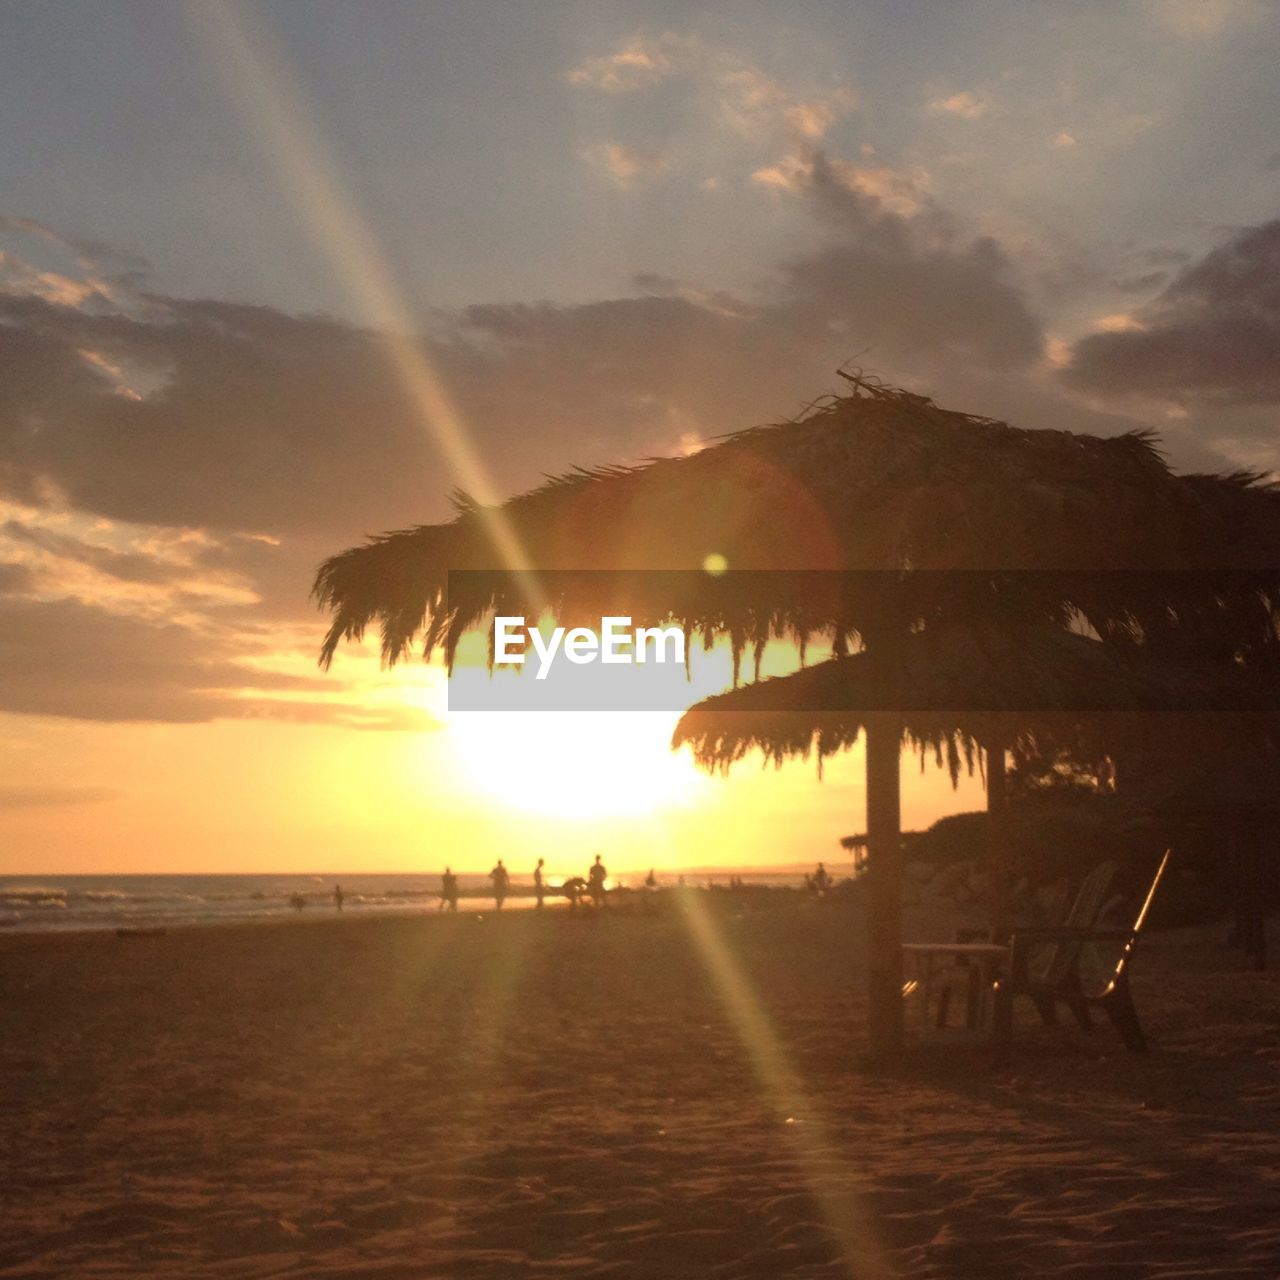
x=661 y=899
x=59 y=905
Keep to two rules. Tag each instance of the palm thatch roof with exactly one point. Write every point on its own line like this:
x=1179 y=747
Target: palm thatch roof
x=879 y=479
x=1020 y=685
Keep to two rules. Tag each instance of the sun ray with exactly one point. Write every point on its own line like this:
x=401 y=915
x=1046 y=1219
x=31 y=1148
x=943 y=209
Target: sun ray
x=277 y=115
x=786 y=1094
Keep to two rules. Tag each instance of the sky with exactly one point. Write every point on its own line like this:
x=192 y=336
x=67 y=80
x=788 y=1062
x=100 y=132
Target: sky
x=275 y=277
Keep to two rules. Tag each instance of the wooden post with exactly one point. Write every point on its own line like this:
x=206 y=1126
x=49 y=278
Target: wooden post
x=884 y=886
x=999 y=853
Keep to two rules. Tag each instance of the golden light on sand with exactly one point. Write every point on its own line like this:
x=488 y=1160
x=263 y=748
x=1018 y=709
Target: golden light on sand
x=575 y=764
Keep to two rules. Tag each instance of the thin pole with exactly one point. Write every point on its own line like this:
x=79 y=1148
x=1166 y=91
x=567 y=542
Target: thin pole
x=884 y=886
x=999 y=851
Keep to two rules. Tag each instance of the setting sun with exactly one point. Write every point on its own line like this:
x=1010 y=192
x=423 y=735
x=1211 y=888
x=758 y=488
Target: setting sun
x=570 y=764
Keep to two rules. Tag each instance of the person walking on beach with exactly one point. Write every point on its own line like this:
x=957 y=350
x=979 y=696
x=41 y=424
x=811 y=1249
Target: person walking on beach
x=448 y=890
x=501 y=879
x=337 y=896
x=821 y=881
x=537 y=880
x=595 y=882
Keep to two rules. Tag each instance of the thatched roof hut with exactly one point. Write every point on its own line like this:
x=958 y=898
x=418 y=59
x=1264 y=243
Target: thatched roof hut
x=1016 y=687
x=876 y=480
x=961 y=686
x=879 y=480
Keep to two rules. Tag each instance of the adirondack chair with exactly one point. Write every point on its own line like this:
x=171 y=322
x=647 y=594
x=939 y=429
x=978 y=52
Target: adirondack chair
x=1059 y=978
x=1048 y=961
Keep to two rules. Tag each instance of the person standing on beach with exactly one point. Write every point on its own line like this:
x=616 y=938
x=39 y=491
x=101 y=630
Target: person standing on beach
x=821 y=880
x=448 y=890
x=501 y=879
x=537 y=880
x=595 y=882
x=337 y=896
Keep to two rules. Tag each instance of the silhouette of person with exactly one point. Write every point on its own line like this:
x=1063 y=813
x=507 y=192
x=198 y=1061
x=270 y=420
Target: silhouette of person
x=448 y=890
x=501 y=879
x=651 y=881
x=595 y=881
x=537 y=880
x=821 y=881
x=337 y=896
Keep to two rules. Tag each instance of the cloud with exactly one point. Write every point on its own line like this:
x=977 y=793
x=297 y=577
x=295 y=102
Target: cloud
x=15 y=579
x=70 y=659
x=624 y=164
x=126 y=566
x=640 y=62
x=741 y=95
x=964 y=105
x=1211 y=337
x=265 y=422
x=912 y=288
x=157 y=549
x=1119 y=322
x=63 y=270
x=1144 y=283
x=257 y=422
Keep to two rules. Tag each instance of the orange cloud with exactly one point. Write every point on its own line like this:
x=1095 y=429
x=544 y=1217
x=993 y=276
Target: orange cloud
x=964 y=105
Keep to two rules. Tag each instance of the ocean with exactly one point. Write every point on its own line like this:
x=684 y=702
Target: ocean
x=51 y=903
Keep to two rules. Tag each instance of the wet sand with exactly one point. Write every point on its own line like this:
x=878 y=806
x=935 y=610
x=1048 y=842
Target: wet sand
x=671 y=1096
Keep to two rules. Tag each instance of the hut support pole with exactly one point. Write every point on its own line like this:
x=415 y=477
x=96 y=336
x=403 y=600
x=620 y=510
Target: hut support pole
x=884 y=886
x=999 y=851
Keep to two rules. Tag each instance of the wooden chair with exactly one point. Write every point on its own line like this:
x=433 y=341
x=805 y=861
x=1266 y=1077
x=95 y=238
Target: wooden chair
x=1055 y=977
x=1047 y=961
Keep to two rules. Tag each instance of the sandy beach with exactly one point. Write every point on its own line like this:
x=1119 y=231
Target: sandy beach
x=652 y=1096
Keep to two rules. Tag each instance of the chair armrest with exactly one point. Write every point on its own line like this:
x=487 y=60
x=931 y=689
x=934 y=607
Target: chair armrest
x=1021 y=943
x=1068 y=933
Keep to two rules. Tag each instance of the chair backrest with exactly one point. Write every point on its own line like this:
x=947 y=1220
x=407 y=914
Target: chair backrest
x=1128 y=948
x=1056 y=958
x=1089 y=897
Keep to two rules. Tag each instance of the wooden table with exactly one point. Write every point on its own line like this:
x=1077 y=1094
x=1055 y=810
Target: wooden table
x=981 y=959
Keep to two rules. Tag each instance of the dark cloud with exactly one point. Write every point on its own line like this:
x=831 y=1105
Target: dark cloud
x=1145 y=283
x=15 y=579
x=907 y=287
x=1212 y=336
x=281 y=438
x=68 y=658
x=1162 y=256
x=254 y=421
x=263 y=423
x=124 y=566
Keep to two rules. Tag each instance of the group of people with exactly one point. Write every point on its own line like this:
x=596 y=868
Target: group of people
x=575 y=888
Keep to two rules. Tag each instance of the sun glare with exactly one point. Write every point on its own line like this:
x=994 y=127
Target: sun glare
x=575 y=764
